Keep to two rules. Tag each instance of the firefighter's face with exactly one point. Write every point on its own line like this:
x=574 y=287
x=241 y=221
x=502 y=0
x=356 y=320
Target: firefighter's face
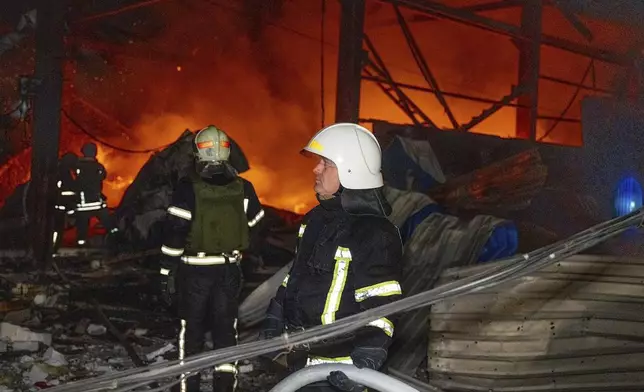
x=327 y=181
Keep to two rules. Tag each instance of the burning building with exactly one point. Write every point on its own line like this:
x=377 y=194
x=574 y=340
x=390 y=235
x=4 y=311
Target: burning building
x=172 y=67
x=139 y=74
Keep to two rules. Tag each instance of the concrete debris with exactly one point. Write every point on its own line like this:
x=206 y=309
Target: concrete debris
x=46 y=301
x=54 y=358
x=18 y=316
x=35 y=375
x=6 y=347
x=40 y=299
x=96 y=330
x=15 y=333
x=96 y=368
x=140 y=332
x=157 y=353
x=246 y=368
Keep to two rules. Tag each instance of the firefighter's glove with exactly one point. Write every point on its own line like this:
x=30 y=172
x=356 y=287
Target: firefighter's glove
x=273 y=327
x=341 y=382
x=369 y=357
x=167 y=285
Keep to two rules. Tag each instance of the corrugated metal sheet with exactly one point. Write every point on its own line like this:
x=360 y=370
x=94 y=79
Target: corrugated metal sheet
x=439 y=242
x=404 y=204
x=578 y=325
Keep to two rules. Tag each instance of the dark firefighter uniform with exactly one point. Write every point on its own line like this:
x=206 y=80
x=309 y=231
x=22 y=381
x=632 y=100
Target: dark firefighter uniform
x=90 y=174
x=210 y=222
x=347 y=261
x=65 y=197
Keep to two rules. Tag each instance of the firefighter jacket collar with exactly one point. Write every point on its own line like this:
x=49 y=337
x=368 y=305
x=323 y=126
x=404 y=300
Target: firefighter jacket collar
x=332 y=204
x=365 y=202
x=359 y=202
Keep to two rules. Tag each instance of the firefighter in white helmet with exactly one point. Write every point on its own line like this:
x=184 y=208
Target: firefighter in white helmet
x=347 y=259
x=209 y=224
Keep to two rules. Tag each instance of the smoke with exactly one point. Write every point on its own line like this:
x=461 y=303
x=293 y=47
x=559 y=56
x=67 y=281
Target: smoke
x=257 y=91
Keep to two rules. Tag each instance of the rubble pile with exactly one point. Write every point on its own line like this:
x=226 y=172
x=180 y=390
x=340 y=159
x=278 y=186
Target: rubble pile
x=89 y=315
x=31 y=361
x=36 y=360
x=100 y=310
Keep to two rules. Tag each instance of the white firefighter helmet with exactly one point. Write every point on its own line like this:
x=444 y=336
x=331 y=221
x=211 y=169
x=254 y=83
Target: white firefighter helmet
x=354 y=150
x=212 y=145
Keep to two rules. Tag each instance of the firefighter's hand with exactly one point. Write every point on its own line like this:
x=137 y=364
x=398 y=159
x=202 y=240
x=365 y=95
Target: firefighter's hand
x=341 y=382
x=369 y=357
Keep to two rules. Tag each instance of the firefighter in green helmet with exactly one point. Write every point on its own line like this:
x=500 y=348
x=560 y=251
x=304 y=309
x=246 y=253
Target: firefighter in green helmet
x=208 y=225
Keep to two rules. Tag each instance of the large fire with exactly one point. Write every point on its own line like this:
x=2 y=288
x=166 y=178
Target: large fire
x=208 y=66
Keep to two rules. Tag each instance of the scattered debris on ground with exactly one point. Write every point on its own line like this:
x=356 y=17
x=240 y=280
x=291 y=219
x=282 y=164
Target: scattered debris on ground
x=90 y=315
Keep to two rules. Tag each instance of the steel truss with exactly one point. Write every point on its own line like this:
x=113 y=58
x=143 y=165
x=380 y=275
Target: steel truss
x=528 y=38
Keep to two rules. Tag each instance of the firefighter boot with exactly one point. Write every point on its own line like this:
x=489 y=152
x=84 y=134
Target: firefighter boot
x=224 y=381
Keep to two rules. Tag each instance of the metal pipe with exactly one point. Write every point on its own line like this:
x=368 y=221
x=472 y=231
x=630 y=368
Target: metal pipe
x=367 y=377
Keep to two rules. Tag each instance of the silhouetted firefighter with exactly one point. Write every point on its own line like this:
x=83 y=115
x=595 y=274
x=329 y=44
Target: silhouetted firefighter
x=90 y=174
x=65 y=196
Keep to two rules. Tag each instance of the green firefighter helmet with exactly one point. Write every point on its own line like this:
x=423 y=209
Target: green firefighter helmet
x=212 y=145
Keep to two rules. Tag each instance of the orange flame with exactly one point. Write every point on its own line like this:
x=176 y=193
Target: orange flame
x=266 y=94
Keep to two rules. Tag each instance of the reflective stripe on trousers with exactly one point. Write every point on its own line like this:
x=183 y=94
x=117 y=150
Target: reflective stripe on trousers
x=182 y=354
x=221 y=368
x=229 y=367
